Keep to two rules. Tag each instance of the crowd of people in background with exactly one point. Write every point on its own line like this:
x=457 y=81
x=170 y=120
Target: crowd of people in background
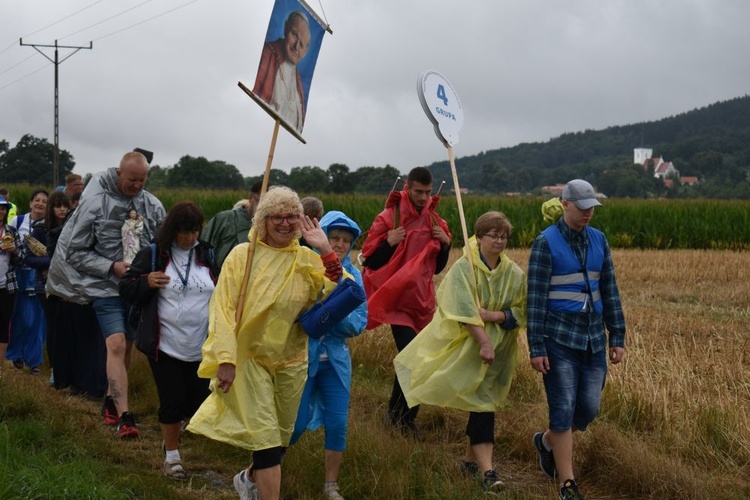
x=93 y=273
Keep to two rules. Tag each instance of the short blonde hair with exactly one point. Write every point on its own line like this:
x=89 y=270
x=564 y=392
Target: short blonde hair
x=492 y=220
x=279 y=200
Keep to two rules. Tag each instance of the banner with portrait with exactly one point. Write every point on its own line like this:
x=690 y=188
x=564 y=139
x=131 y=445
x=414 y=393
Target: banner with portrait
x=287 y=62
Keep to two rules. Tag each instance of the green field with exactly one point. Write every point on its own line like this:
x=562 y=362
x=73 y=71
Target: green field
x=628 y=223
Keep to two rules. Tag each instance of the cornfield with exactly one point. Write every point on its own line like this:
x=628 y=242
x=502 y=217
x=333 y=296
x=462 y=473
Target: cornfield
x=628 y=223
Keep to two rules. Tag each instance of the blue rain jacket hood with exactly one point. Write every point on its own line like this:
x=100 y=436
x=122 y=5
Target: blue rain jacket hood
x=339 y=220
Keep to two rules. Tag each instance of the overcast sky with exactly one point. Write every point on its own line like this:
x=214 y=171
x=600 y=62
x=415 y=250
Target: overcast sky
x=525 y=70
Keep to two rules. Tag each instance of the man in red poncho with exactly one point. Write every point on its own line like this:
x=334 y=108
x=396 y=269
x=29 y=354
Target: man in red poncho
x=407 y=244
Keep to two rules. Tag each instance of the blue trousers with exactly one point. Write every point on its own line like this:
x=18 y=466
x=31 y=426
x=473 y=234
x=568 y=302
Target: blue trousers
x=325 y=398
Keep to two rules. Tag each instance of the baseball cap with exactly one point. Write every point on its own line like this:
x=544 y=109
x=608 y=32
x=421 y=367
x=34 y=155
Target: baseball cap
x=3 y=201
x=581 y=193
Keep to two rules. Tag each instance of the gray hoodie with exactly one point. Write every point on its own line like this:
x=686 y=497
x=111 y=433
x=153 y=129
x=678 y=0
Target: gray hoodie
x=91 y=241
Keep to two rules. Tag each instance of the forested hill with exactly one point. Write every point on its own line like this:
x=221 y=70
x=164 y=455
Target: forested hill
x=711 y=143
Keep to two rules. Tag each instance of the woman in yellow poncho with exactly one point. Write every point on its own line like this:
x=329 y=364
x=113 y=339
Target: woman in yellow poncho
x=465 y=358
x=259 y=374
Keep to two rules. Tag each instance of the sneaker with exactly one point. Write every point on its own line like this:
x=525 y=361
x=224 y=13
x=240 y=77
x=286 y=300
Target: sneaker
x=109 y=412
x=491 y=481
x=332 y=492
x=244 y=487
x=546 y=458
x=569 y=491
x=126 y=428
x=173 y=469
x=469 y=469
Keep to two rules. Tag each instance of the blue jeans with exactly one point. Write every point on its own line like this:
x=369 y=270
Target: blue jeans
x=325 y=385
x=574 y=385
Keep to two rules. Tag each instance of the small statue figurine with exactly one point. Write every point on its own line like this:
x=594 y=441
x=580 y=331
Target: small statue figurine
x=132 y=230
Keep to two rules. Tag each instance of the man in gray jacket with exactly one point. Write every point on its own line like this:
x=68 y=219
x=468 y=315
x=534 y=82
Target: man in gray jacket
x=87 y=267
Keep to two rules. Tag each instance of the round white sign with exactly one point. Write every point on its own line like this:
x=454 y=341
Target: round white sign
x=442 y=106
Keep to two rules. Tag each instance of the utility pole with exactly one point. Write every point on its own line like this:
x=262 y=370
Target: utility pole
x=57 y=63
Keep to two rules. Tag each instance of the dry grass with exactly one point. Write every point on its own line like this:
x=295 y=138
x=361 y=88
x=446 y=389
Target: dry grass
x=675 y=421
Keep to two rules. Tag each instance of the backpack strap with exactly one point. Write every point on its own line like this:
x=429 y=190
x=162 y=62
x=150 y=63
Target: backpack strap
x=153 y=257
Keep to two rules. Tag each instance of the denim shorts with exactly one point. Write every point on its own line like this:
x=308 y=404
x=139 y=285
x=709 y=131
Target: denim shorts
x=574 y=385
x=111 y=312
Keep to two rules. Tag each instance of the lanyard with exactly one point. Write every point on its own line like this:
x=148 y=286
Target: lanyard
x=183 y=279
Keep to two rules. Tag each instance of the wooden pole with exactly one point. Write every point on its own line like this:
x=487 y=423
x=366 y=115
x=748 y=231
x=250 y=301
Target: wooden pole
x=461 y=216
x=253 y=238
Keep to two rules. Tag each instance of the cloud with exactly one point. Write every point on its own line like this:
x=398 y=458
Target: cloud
x=525 y=71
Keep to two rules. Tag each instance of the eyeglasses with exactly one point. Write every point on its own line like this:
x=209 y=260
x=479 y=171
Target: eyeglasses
x=496 y=237
x=278 y=219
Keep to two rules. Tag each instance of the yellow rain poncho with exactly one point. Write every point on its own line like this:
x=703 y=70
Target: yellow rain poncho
x=269 y=352
x=441 y=366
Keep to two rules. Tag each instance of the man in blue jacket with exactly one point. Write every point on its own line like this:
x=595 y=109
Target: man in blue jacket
x=572 y=298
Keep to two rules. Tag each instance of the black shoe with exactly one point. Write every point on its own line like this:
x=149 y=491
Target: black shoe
x=546 y=458
x=569 y=491
x=409 y=429
x=469 y=469
x=491 y=481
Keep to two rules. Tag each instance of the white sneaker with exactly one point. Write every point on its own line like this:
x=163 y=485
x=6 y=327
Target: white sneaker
x=244 y=487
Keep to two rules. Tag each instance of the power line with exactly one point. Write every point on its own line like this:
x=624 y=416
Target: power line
x=24 y=77
x=64 y=18
x=13 y=44
x=17 y=64
x=103 y=36
x=146 y=20
x=107 y=19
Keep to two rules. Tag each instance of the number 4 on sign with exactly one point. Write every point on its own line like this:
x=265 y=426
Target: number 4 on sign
x=441 y=94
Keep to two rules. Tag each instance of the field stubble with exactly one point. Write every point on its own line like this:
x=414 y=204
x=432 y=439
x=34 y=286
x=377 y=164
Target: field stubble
x=675 y=419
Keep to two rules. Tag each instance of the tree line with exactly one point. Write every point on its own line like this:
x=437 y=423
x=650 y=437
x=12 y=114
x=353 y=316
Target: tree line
x=30 y=162
x=711 y=143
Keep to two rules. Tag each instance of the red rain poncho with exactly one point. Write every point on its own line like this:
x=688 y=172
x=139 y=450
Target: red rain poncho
x=402 y=292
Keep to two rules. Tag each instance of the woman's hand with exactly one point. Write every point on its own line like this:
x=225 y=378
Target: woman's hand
x=314 y=235
x=487 y=353
x=158 y=279
x=492 y=316
x=10 y=247
x=486 y=350
x=226 y=375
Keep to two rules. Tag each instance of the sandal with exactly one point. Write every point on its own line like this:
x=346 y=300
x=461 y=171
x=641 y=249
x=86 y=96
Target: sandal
x=174 y=470
x=35 y=371
x=18 y=364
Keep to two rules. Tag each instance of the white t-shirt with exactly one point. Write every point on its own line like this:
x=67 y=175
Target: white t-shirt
x=183 y=312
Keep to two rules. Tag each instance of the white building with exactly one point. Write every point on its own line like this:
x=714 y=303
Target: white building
x=640 y=155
